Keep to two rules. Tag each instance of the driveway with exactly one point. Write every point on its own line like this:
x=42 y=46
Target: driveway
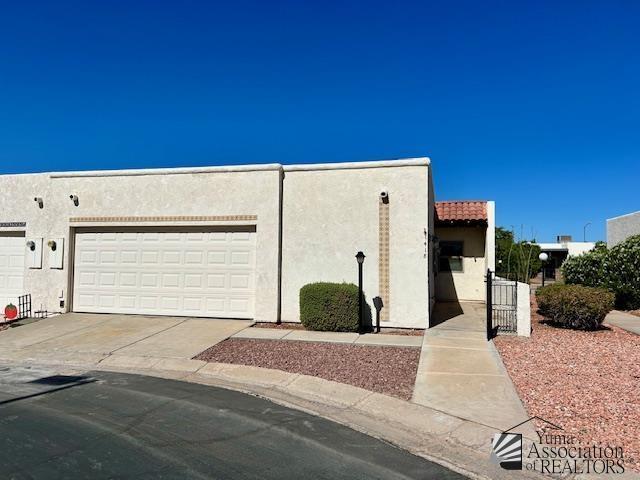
x=80 y=338
x=108 y=425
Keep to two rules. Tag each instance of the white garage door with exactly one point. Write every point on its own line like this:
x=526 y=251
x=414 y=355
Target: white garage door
x=187 y=273
x=12 y=248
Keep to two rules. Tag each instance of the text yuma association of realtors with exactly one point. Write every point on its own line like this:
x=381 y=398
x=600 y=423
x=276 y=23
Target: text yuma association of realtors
x=563 y=454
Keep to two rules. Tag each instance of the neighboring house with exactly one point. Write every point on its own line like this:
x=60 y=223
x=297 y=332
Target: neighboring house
x=622 y=227
x=559 y=251
x=465 y=233
x=233 y=242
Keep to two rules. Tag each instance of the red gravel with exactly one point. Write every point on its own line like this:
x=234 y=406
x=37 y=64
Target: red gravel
x=587 y=382
x=388 y=370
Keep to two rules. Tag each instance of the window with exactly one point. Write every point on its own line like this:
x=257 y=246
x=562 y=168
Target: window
x=451 y=256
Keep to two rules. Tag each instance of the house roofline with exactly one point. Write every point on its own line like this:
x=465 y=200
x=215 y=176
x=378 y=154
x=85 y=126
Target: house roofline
x=625 y=215
x=405 y=162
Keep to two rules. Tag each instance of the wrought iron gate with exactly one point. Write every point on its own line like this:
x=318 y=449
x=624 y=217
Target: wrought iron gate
x=502 y=305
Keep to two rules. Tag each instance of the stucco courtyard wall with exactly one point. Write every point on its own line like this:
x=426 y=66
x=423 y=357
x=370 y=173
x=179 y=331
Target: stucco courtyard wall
x=329 y=214
x=468 y=284
x=158 y=193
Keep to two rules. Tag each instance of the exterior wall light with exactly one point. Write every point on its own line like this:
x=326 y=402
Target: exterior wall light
x=74 y=199
x=52 y=245
x=39 y=201
x=31 y=245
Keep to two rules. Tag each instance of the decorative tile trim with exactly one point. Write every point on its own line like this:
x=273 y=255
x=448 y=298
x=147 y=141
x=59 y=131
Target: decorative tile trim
x=383 y=264
x=176 y=218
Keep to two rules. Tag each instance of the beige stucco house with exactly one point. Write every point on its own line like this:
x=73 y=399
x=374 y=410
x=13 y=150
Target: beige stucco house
x=233 y=242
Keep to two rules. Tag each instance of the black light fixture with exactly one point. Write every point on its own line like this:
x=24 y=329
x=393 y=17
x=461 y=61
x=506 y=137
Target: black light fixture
x=360 y=258
x=543 y=258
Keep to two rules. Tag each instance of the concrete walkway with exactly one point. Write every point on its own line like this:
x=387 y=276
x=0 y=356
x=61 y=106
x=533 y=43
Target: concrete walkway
x=461 y=373
x=331 y=337
x=626 y=321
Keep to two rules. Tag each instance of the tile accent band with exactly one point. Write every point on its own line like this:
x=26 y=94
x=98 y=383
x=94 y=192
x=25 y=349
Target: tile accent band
x=176 y=218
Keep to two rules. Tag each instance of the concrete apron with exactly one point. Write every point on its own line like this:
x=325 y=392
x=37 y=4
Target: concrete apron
x=86 y=339
x=461 y=373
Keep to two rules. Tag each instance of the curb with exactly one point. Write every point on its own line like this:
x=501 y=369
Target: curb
x=460 y=445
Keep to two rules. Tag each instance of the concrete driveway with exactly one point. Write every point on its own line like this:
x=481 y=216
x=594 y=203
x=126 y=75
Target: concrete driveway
x=79 y=338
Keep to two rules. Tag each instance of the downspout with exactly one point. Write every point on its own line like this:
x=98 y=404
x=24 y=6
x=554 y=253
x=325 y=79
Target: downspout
x=280 y=230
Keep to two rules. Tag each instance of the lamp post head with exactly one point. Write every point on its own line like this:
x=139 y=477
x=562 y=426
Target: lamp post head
x=543 y=257
x=360 y=257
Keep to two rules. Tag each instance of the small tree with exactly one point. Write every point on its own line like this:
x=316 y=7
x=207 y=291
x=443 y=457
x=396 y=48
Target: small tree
x=516 y=260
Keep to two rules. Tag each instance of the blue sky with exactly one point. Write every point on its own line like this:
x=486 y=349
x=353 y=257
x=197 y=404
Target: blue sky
x=533 y=104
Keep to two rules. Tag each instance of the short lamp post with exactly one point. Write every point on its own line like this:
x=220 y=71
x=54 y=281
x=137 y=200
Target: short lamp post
x=543 y=258
x=360 y=258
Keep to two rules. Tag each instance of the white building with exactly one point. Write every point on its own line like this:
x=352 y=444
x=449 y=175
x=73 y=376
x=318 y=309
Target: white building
x=559 y=251
x=622 y=227
x=233 y=242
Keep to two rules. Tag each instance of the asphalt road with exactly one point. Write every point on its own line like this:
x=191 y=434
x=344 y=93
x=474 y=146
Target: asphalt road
x=108 y=425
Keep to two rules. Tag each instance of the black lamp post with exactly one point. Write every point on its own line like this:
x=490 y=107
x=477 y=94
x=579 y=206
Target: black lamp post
x=360 y=259
x=543 y=258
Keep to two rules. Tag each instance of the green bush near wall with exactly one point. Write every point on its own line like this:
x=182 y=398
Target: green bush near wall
x=329 y=307
x=575 y=306
x=616 y=269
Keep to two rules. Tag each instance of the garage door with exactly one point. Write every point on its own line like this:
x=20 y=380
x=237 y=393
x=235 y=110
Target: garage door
x=186 y=273
x=12 y=248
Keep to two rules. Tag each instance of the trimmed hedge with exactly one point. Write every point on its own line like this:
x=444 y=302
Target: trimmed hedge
x=575 y=306
x=616 y=269
x=329 y=307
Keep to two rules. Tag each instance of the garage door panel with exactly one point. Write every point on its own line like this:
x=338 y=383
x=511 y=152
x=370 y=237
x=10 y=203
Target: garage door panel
x=166 y=273
x=12 y=251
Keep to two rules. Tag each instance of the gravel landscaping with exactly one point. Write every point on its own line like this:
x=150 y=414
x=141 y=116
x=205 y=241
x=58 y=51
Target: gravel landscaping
x=587 y=382
x=388 y=370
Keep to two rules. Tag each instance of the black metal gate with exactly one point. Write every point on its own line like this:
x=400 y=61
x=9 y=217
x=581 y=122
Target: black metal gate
x=502 y=305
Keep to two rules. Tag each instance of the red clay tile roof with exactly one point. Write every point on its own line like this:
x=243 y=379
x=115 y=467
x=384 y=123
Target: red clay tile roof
x=461 y=211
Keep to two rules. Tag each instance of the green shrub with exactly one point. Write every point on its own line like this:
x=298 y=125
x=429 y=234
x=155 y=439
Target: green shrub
x=586 y=269
x=575 y=306
x=622 y=273
x=617 y=269
x=329 y=307
x=543 y=294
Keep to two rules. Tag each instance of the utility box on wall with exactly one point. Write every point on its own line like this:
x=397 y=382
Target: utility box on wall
x=55 y=247
x=33 y=257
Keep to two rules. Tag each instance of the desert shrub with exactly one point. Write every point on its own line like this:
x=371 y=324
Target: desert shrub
x=621 y=272
x=617 y=269
x=575 y=306
x=543 y=294
x=329 y=307
x=586 y=269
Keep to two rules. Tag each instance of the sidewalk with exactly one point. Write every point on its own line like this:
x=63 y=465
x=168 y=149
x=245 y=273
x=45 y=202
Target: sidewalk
x=461 y=373
x=331 y=337
x=623 y=320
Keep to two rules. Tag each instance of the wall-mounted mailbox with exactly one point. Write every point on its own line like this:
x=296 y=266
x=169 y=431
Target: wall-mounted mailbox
x=33 y=256
x=55 y=248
